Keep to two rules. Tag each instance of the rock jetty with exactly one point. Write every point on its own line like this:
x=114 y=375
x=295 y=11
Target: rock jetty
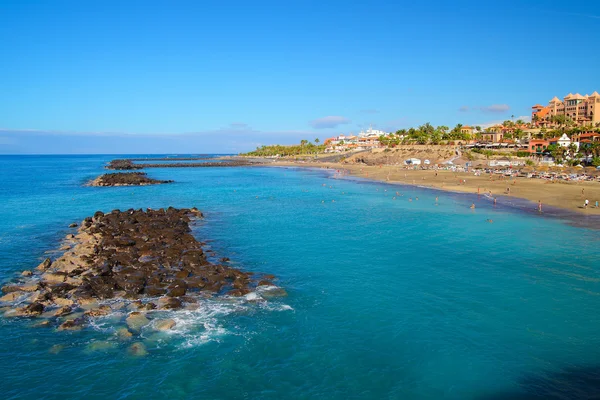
x=126 y=179
x=139 y=260
x=129 y=165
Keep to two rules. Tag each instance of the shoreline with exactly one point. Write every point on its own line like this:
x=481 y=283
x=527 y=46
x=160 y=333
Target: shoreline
x=559 y=200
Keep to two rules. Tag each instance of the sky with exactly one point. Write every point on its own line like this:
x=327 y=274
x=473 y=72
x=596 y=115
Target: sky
x=228 y=76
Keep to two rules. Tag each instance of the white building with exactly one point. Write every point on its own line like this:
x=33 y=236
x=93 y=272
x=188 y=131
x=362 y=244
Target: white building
x=564 y=141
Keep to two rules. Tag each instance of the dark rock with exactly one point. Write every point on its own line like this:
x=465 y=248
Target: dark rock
x=73 y=225
x=44 y=265
x=34 y=309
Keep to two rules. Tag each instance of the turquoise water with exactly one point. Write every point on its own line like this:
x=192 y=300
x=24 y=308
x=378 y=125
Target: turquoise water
x=387 y=299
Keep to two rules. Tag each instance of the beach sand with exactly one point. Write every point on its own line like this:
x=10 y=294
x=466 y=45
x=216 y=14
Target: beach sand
x=561 y=194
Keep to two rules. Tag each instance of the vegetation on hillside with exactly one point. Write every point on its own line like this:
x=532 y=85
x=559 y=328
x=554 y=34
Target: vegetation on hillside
x=304 y=148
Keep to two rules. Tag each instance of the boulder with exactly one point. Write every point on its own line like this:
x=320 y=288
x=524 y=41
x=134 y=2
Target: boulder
x=136 y=320
x=169 y=303
x=71 y=325
x=164 y=324
x=44 y=265
x=98 y=312
x=32 y=310
x=26 y=273
x=11 y=296
x=63 y=311
x=50 y=277
x=59 y=301
x=73 y=225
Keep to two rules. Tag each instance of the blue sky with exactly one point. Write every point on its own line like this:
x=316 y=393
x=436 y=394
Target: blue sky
x=226 y=76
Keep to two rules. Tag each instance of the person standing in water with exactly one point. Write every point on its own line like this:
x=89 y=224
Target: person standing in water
x=539 y=206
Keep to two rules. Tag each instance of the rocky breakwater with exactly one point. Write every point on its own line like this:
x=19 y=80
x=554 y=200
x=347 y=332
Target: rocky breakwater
x=128 y=164
x=126 y=179
x=135 y=260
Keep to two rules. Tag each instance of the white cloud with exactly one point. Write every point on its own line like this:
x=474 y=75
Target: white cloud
x=331 y=121
x=496 y=108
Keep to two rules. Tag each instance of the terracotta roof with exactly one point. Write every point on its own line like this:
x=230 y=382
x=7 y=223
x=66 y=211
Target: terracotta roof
x=537 y=106
x=591 y=134
x=595 y=94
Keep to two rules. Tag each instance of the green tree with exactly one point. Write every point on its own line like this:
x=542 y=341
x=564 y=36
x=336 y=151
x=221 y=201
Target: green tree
x=317 y=140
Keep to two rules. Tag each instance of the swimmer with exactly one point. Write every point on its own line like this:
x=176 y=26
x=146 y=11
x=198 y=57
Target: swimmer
x=491 y=221
x=494 y=201
x=409 y=199
x=394 y=198
x=436 y=199
x=416 y=198
x=472 y=206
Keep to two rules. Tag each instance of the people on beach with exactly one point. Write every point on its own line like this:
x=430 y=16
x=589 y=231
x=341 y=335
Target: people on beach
x=585 y=205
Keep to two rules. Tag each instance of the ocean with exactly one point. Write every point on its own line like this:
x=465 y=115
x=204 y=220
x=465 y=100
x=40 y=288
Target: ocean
x=387 y=298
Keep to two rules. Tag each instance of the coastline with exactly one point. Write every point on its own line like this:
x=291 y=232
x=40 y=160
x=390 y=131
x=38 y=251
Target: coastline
x=557 y=198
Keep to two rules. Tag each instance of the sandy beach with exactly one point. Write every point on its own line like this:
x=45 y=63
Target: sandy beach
x=566 y=195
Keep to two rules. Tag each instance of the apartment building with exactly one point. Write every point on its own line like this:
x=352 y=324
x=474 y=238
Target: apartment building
x=582 y=110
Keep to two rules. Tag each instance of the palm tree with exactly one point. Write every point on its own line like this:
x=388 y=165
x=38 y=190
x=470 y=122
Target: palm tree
x=303 y=142
x=317 y=140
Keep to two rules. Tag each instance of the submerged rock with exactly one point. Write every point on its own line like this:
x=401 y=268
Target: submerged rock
x=57 y=348
x=123 y=334
x=137 y=349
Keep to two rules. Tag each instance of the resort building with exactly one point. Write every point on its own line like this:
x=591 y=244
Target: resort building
x=537 y=146
x=586 y=137
x=467 y=129
x=492 y=136
x=582 y=110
